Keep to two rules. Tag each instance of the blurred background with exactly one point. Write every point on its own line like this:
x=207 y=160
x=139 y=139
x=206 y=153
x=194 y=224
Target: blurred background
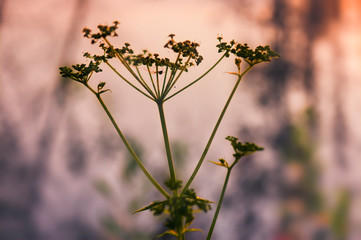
x=64 y=174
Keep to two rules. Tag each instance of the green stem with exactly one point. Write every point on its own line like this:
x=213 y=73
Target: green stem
x=219 y=204
x=127 y=145
x=179 y=222
x=151 y=79
x=180 y=228
x=202 y=76
x=144 y=84
x=164 y=80
x=200 y=162
x=122 y=60
x=136 y=88
x=157 y=75
x=172 y=73
x=166 y=142
x=178 y=76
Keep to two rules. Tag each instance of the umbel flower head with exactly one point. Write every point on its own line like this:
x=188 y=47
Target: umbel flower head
x=153 y=85
x=80 y=72
x=252 y=57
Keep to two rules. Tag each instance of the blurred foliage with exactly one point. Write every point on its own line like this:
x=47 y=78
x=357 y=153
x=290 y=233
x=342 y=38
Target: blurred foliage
x=339 y=220
x=302 y=197
x=180 y=154
x=103 y=188
x=117 y=232
x=298 y=153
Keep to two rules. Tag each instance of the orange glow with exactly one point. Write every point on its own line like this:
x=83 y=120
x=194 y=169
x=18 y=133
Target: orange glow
x=350 y=8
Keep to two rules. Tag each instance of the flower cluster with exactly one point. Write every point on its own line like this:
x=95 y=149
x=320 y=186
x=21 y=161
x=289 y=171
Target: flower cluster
x=110 y=52
x=252 y=57
x=186 y=48
x=104 y=31
x=80 y=72
x=149 y=59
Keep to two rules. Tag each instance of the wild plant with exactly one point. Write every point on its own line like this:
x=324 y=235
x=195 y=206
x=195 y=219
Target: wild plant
x=179 y=203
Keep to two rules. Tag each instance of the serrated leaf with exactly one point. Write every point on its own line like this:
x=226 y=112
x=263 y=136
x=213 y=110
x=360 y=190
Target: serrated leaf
x=241 y=149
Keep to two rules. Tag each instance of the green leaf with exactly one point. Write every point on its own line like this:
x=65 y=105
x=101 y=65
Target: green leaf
x=217 y=163
x=205 y=200
x=340 y=215
x=101 y=85
x=222 y=163
x=241 y=149
x=170 y=232
x=193 y=230
x=150 y=206
x=103 y=91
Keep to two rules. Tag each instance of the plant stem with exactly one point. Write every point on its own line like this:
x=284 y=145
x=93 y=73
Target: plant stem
x=127 y=145
x=144 y=84
x=151 y=79
x=122 y=60
x=219 y=204
x=172 y=83
x=166 y=142
x=202 y=76
x=179 y=221
x=172 y=74
x=157 y=77
x=164 y=80
x=150 y=97
x=201 y=160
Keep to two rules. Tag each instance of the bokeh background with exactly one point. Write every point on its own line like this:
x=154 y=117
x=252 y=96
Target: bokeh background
x=64 y=174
